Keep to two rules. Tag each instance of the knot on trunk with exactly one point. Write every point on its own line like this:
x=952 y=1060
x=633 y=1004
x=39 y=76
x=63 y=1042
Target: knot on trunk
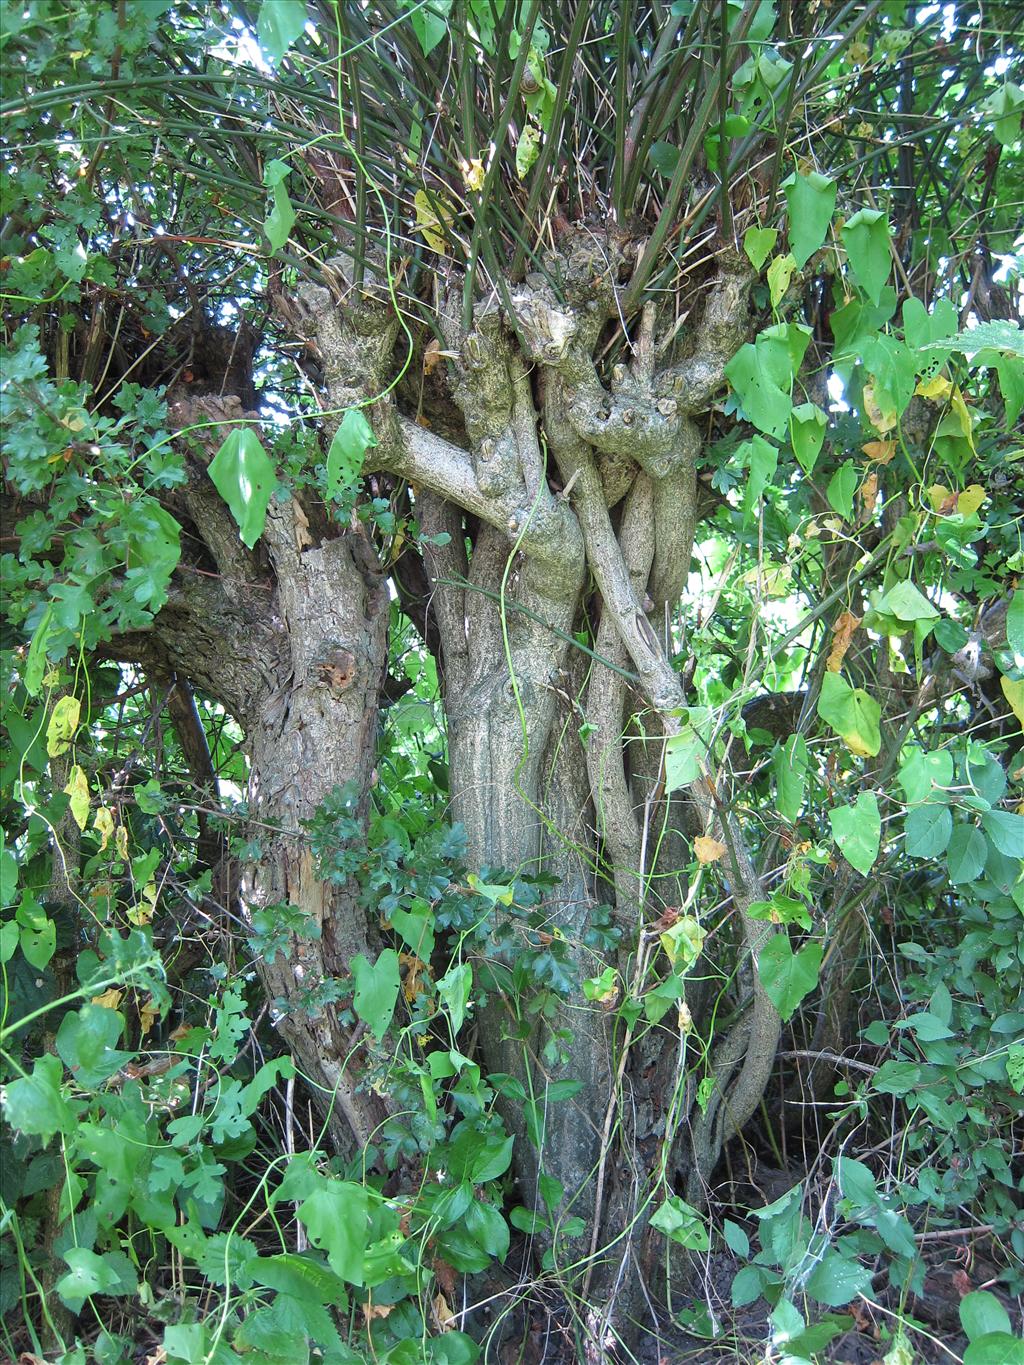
x=336 y=669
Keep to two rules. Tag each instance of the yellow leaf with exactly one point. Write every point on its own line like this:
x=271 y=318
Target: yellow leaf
x=472 y=173
x=428 y=221
x=110 y=999
x=882 y=419
x=61 y=727
x=1014 y=694
x=941 y=499
x=78 y=790
x=856 y=745
x=684 y=1018
x=142 y=912
x=104 y=822
x=149 y=1013
x=936 y=389
x=121 y=842
x=708 y=850
x=780 y=272
x=963 y=416
x=970 y=499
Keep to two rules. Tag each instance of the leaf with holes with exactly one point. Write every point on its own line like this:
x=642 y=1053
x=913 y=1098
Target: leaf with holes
x=245 y=477
x=347 y=453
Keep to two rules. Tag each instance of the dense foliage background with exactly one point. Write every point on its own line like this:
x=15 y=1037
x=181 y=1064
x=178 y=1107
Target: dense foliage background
x=513 y=656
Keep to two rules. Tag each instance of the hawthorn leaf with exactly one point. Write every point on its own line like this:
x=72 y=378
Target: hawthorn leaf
x=336 y=1217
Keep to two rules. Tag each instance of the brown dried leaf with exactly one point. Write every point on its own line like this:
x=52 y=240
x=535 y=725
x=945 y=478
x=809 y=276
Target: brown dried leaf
x=432 y=356
x=879 y=451
x=842 y=634
x=302 y=537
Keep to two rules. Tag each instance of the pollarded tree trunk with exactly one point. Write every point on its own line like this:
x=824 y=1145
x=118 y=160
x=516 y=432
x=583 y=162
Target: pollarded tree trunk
x=291 y=637
x=571 y=507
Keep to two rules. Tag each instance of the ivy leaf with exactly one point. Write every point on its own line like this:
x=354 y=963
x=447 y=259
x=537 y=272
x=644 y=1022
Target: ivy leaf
x=336 y=1217
x=757 y=241
x=348 y=451
x=376 y=993
x=852 y=714
x=857 y=829
x=788 y=977
x=244 y=476
x=807 y=425
x=61 y=727
x=280 y=24
x=811 y=200
x=866 y=238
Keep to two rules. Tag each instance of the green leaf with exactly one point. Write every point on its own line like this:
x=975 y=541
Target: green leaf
x=88 y=1274
x=761 y=459
x=967 y=854
x=1014 y=626
x=280 y=24
x=1006 y=830
x=922 y=772
x=735 y=1238
x=686 y=751
x=866 y=238
x=35 y=662
x=1004 y=107
x=981 y=1313
x=856 y=1183
x=527 y=149
x=757 y=241
x=836 y=1280
x=921 y=328
x=280 y=220
x=38 y=932
x=35 y=1104
x=841 y=489
x=857 y=829
x=995 y=1348
x=430 y=23
x=807 y=425
x=61 y=727
x=762 y=374
x=8 y=873
x=790 y=764
x=454 y=988
x=87 y=1039
x=377 y=988
x=336 y=1217
x=811 y=200
x=787 y=976
x=852 y=714
x=928 y=831
x=347 y=453
x=998 y=335
x=907 y=603
x=154 y=549
x=488 y=1228
x=244 y=475
x=680 y=1222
